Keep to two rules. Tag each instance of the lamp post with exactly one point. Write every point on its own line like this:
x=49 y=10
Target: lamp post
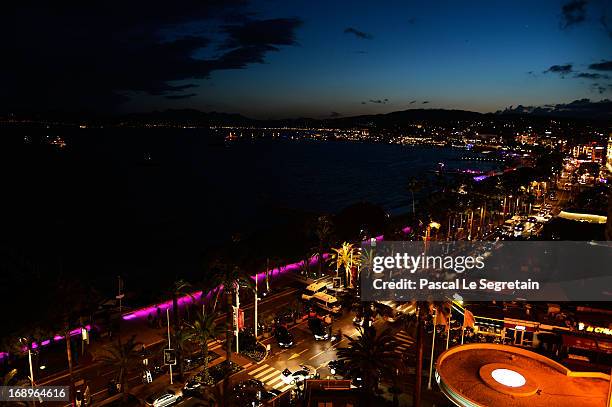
x=256 y=300
x=450 y=321
x=169 y=344
x=433 y=344
x=237 y=288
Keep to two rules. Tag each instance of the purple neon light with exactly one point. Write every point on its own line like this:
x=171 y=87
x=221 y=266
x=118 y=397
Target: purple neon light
x=480 y=178
x=146 y=311
x=35 y=345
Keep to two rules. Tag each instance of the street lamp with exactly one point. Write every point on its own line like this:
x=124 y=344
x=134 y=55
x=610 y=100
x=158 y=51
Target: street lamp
x=24 y=342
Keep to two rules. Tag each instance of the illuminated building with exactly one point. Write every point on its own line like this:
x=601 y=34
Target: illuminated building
x=589 y=152
x=609 y=154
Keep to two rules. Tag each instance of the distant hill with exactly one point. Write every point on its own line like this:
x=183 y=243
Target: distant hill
x=407 y=116
x=192 y=117
x=581 y=110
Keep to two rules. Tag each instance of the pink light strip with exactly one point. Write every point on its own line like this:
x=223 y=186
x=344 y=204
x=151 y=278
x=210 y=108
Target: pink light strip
x=152 y=309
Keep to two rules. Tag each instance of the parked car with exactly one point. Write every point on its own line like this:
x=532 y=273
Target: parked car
x=166 y=399
x=337 y=367
x=284 y=338
x=192 y=388
x=298 y=376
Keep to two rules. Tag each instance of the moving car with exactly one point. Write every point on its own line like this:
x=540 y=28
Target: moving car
x=318 y=329
x=518 y=230
x=284 y=338
x=166 y=399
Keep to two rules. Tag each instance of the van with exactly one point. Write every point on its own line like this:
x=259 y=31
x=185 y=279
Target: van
x=312 y=289
x=327 y=302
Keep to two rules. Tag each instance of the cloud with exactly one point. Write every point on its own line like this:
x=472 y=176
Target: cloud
x=581 y=108
x=599 y=88
x=601 y=66
x=573 y=12
x=412 y=20
x=91 y=57
x=378 y=101
x=177 y=97
x=589 y=75
x=357 y=33
x=412 y=102
x=334 y=115
x=560 y=69
x=425 y=102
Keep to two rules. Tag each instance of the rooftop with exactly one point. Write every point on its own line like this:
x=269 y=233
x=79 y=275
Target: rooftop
x=495 y=375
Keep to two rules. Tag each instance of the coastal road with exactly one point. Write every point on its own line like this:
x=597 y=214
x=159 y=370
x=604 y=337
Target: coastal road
x=98 y=376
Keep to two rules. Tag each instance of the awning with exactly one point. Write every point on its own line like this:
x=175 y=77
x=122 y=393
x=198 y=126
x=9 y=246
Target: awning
x=579 y=342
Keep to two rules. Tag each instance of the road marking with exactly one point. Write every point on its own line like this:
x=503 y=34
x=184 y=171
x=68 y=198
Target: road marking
x=320 y=353
x=264 y=379
x=274 y=380
x=287 y=387
x=279 y=385
x=297 y=355
x=265 y=372
x=252 y=372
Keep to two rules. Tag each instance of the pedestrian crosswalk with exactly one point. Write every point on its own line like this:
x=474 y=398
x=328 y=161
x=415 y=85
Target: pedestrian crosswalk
x=270 y=377
x=408 y=308
x=404 y=342
x=215 y=344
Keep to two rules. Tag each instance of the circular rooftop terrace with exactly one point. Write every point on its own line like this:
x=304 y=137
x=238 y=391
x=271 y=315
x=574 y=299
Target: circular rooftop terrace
x=499 y=375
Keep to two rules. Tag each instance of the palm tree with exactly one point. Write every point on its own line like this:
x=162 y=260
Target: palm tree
x=123 y=357
x=73 y=301
x=8 y=380
x=8 y=377
x=203 y=329
x=369 y=356
x=230 y=276
x=305 y=267
x=423 y=310
x=343 y=257
x=413 y=185
x=179 y=288
x=323 y=231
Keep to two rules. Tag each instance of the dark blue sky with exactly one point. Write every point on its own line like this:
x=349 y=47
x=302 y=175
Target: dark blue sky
x=315 y=58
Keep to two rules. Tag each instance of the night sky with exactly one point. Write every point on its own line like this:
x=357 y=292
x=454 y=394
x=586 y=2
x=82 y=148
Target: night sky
x=274 y=59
